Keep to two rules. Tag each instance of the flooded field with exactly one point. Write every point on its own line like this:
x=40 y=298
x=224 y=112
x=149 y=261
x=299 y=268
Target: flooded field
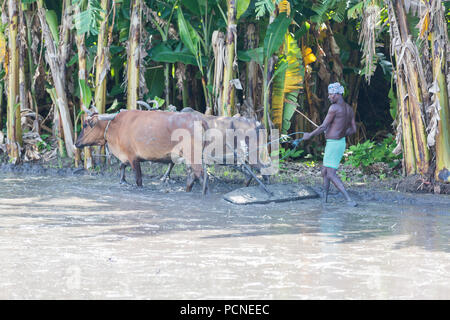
x=87 y=237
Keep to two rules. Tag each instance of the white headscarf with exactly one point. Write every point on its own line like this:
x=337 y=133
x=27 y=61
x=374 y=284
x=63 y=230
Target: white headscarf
x=335 y=88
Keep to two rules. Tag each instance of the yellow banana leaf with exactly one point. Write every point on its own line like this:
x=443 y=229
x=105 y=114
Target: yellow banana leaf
x=286 y=82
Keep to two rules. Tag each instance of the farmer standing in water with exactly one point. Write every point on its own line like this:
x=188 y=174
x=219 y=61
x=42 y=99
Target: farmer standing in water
x=339 y=123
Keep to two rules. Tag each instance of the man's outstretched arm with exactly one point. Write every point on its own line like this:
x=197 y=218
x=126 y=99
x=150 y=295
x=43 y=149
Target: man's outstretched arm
x=326 y=123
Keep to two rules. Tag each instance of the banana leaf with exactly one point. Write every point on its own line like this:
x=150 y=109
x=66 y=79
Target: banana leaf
x=194 y=6
x=287 y=84
x=52 y=21
x=252 y=55
x=275 y=34
x=188 y=35
x=241 y=7
x=163 y=53
x=86 y=93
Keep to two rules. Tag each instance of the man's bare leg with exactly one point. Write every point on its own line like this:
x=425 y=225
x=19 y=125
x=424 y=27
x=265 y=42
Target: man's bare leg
x=331 y=174
x=326 y=184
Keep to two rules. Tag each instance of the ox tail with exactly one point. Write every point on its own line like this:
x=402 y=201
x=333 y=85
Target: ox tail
x=205 y=127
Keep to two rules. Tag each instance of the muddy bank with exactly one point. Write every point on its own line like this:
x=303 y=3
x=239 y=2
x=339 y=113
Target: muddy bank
x=362 y=187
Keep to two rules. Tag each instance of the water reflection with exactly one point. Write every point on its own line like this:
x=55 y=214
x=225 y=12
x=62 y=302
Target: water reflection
x=98 y=199
x=172 y=244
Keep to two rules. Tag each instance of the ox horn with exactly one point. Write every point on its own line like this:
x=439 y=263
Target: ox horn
x=88 y=112
x=155 y=102
x=145 y=104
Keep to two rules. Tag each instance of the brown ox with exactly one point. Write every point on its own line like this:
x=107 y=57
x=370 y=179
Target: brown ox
x=134 y=136
x=238 y=146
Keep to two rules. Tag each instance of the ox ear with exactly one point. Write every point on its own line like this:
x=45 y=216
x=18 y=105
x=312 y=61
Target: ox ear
x=94 y=108
x=91 y=122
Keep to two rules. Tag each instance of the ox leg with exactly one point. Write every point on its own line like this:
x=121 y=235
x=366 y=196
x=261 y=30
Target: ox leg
x=197 y=172
x=205 y=180
x=166 y=175
x=248 y=179
x=122 y=173
x=190 y=179
x=136 y=165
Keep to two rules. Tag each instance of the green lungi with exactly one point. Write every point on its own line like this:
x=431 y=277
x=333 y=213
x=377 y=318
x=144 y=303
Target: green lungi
x=334 y=150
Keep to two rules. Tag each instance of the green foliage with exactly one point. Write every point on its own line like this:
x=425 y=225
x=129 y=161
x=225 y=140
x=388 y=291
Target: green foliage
x=365 y=154
x=28 y=1
x=285 y=153
x=275 y=34
x=256 y=55
x=393 y=103
x=88 y=20
x=188 y=34
x=52 y=21
x=163 y=53
x=356 y=10
x=263 y=6
x=343 y=176
x=44 y=145
x=85 y=93
x=241 y=7
x=325 y=9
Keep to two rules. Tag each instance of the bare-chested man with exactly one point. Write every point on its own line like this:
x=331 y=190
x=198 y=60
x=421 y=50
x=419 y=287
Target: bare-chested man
x=339 y=123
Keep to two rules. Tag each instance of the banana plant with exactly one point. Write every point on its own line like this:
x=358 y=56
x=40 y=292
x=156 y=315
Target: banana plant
x=234 y=12
x=194 y=43
x=133 y=65
x=163 y=53
x=57 y=53
x=287 y=85
x=273 y=40
x=13 y=110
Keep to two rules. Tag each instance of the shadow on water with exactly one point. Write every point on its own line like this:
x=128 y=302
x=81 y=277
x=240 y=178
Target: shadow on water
x=158 y=209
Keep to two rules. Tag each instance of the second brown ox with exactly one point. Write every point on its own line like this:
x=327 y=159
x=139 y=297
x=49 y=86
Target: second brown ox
x=235 y=143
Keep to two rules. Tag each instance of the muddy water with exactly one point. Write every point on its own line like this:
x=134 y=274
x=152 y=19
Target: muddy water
x=87 y=237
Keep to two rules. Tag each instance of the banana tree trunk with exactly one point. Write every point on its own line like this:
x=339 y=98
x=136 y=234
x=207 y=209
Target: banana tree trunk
x=167 y=83
x=102 y=64
x=134 y=56
x=56 y=58
x=409 y=158
x=57 y=126
x=102 y=67
x=29 y=14
x=228 y=95
x=13 y=112
x=218 y=42
x=82 y=75
x=311 y=99
x=443 y=135
x=415 y=93
x=440 y=47
x=251 y=74
x=410 y=70
x=23 y=93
